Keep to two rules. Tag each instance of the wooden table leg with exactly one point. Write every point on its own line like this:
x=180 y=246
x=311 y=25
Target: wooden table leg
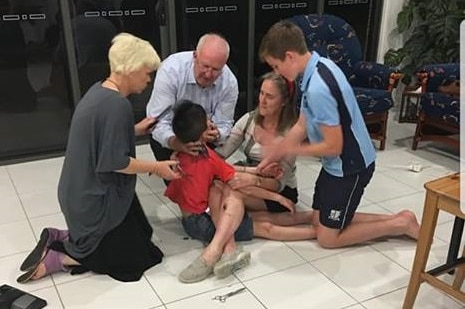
x=455 y=239
x=460 y=275
x=428 y=226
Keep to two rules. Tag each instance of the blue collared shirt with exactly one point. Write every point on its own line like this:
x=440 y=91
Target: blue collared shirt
x=175 y=81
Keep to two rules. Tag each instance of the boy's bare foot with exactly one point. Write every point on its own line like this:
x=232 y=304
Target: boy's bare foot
x=412 y=227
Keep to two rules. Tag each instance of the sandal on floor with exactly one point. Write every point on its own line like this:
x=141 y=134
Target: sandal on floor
x=47 y=236
x=53 y=262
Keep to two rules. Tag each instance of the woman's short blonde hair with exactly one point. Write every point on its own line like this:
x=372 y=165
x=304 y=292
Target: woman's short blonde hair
x=129 y=53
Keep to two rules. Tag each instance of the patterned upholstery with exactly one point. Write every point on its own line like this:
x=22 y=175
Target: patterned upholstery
x=331 y=37
x=434 y=102
x=334 y=38
x=439 y=104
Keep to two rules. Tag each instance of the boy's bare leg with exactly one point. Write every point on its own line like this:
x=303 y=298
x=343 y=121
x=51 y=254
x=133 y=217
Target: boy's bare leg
x=227 y=218
x=366 y=228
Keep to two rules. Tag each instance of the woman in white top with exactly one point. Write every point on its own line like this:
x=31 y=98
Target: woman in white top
x=267 y=124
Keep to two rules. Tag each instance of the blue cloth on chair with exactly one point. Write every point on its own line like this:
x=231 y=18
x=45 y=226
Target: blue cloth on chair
x=331 y=37
x=334 y=38
x=373 y=101
x=439 y=104
x=435 y=103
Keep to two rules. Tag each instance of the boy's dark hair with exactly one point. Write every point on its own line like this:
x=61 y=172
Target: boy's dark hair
x=189 y=121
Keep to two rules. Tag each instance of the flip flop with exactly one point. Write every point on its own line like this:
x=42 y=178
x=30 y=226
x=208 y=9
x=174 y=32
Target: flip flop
x=47 y=236
x=53 y=262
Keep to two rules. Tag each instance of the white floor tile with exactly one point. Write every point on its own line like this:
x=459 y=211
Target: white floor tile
x=402 y=251
x=306 y=177
x=428 y=298
x=383 y=188
x=15 y=238
x=104 y=292
x=51 y=296
x=299 y=287
x=297 y=274
x=376 y=275
x=36 y=176
x=11 y=209
x=40 y=203
x=9 y=271
x=55 y=220
x=268 y=257
x=311 y=251
x=154 y=209
x=355 y=307
x=205 y=300
x=6 y=186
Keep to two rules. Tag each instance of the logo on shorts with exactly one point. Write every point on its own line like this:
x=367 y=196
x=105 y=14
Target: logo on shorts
x=335 y=215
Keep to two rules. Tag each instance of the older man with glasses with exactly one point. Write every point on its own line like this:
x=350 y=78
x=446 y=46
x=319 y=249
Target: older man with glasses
x=200 y=76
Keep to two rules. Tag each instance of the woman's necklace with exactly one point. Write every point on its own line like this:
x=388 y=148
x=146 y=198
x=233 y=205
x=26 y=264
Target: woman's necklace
x=114 y=83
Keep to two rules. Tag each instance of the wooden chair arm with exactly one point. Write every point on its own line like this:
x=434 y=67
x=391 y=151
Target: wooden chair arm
x=394 y=78
x=423 y=79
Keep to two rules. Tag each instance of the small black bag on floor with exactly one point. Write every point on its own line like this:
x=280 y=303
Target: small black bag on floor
x=13 y=298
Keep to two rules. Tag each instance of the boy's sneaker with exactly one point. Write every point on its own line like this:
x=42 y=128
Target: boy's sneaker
x=196 y=271
x=231 y=262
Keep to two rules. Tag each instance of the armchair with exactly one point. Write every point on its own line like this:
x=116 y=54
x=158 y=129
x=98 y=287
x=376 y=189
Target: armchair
x=334 y=38
x=439 y=118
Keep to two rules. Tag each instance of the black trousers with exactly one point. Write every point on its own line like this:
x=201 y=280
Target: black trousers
x=125 y=252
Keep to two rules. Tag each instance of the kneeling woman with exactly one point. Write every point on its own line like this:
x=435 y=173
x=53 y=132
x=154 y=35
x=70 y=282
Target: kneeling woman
x=108 y=231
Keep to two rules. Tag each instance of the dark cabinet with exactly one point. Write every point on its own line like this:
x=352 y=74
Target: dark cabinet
x=35 y=99
x=54 y=50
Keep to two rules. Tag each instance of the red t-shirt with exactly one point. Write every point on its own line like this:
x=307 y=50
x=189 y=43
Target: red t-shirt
x=190 y=191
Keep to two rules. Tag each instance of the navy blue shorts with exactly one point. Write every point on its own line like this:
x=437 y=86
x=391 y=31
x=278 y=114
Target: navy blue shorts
x=201 y=227
x=337 y=198
x=288 y=192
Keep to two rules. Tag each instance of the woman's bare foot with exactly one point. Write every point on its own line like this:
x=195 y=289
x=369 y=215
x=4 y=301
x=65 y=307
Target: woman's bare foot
x=40 y=272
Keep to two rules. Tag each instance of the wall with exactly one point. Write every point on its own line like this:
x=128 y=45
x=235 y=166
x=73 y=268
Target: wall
x=388 y=38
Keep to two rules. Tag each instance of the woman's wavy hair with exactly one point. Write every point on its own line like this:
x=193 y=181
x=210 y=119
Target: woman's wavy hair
x=288 y=115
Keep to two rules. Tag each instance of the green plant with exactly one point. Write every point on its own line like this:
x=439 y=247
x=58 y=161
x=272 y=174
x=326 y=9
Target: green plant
x=431 y=31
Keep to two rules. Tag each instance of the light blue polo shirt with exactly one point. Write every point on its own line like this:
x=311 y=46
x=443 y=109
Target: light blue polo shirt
x=328 y=99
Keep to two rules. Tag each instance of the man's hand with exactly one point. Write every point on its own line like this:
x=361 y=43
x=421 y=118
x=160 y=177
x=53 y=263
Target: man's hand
x=192 y=148
x=212 y=133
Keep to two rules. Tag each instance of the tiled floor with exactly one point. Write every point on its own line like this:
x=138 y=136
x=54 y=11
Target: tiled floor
x=281 y=275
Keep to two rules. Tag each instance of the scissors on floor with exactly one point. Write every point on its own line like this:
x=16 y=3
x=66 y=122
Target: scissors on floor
x=222 y=298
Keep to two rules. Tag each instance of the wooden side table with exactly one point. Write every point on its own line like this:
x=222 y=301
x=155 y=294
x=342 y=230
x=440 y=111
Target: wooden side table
x=409 y=106
x=441 y=194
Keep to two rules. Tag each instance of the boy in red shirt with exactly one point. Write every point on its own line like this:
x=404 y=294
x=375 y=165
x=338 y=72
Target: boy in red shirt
x=195 y=193
x=204 y=186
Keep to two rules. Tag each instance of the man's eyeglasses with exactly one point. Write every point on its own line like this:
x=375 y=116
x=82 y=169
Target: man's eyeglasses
x=206 y=68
